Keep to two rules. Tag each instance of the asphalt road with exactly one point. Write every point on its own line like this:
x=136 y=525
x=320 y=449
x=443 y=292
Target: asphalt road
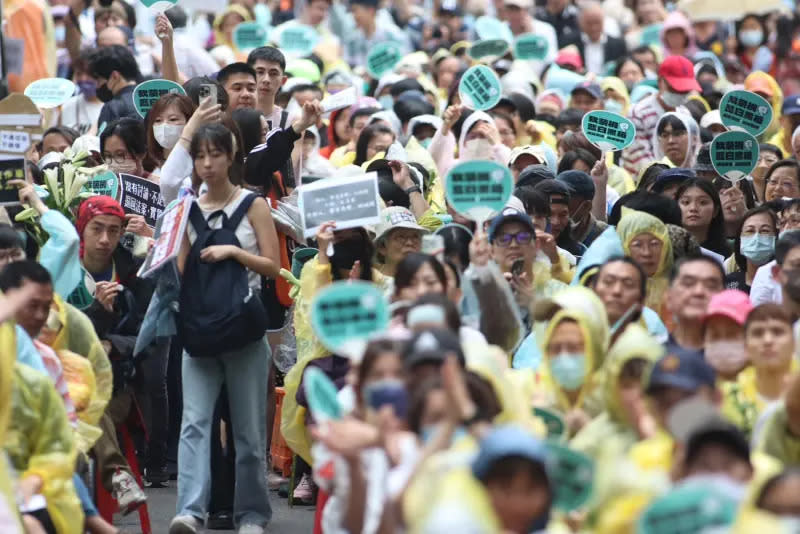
x=161 y=507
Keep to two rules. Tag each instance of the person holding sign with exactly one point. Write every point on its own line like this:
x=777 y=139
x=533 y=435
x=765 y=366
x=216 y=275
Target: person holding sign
x=116 y=73
x=479 y=139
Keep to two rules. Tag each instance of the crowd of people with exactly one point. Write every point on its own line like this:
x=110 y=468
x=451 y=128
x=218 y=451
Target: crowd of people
x=615 y=350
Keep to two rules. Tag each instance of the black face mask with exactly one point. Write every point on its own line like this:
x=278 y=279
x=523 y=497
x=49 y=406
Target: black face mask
x=346 y=253
x=103 y=93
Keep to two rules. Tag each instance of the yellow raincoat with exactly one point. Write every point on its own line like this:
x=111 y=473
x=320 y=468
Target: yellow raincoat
x=776 y=101
x=293 y=416
x=220 y=39
x=742 y=405
x=631 y=224
x=8 y=351
x=40 y=442
x=777 y=440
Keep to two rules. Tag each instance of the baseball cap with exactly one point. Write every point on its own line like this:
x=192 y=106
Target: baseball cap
x=759 y=84
x=368 y=3
x=669 y=177
x=509 y=215
x=504 y=441
x=721 y=432
x=683 y=369
x=579 y=184
x=396 y=217
x=589 y=87
x=711 y=118
x=568 y=57
x=522 y=4
x=731 y=303
x=791 y=105
x=533 y=174
x=531 y=150
x=432 y=346
x=679 y=74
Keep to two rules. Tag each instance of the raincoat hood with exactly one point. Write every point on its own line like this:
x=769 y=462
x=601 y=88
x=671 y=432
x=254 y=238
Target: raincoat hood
x=390 y=118
x=469 y=122
x=692 y=139
x=676 y=19
x=612 y=82
x=219 y=36
x=432 y=120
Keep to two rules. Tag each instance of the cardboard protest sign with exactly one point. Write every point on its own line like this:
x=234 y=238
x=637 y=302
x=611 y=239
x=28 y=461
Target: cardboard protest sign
x=553 y=421
x=343 y=99
x=607 y=130
x=147 y=93
x=141 y=197
x=383 y=58
x=298 y=39
x=159 y=6
x=249 y=35
x=691 y=507
x=351 y=201
x=480 y=88
x=83 y=295
x=321 y=394
x=488 y=48
x=50 y=92
x=734 y=155
x=491 y=28
x=531 y=46
x=347 y=313
x=168 y=237
x=13 y=141
x=104 y=183
x=478 y=188
x=746 y=110
x=10 y=169
x=573 y=476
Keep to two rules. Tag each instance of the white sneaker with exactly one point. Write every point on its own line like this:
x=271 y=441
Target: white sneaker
x=249 y=528
x=126 y=492
x=304 y=491
x=184 y=524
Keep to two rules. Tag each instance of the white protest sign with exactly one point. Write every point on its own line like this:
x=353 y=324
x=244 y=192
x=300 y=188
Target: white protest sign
x=351 y=202
x=14 y=141
x=50 y=92
x=169 y=237
x=342 y=99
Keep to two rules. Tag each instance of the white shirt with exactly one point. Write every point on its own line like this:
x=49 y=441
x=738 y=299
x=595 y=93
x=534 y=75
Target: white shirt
x=192 y=58
x=764 y=287
x=548 y=32
x=80 y=114
x=594 y=55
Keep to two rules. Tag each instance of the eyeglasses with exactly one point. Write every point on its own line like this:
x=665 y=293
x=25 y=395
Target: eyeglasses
x=118 y=157
x=398 y=237
x=783 y=184
x=641 y=245
x=522 y=238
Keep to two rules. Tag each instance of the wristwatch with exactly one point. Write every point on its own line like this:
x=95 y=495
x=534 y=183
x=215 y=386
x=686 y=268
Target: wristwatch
x=413 y=189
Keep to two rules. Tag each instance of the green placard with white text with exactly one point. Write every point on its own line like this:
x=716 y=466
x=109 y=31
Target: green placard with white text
x=489 y=48
x=249 y=35
x=734 y=155
x=480 y=88
x=573 y=476
x=531 y=46
x=383 y=58
x=692 y=507
x=321 y=394
x=298 y=40
x=745 y=110
x=147 y=93
x=608 y=131
x=478 y=188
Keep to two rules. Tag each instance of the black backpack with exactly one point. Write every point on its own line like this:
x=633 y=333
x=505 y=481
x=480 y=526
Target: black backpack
x=219 y=312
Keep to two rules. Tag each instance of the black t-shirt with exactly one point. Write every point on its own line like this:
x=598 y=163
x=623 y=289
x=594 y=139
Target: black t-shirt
x=737 y=280
x=119 y=107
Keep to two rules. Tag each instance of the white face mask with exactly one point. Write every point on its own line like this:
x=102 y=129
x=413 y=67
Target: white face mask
x=726 y=356
x=673 y=100
x=478 y=148
x=167 y=135
x=128 y=166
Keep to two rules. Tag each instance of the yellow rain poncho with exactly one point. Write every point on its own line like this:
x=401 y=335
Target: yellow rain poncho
x=82 y=389
x=742 y=404
x=633 y=223
x=594 y=350
x=618 y=86
x=8 y=351
x=220 y=39
x=777 y=441
x=293 y=416
x=753 y=81
x=40 y=442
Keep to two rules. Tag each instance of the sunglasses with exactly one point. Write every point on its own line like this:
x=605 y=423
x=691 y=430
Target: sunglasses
x=522 y=238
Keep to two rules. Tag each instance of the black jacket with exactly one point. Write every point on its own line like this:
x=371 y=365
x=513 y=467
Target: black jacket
x=267 y=158
x=613 y=49
x=119 y=107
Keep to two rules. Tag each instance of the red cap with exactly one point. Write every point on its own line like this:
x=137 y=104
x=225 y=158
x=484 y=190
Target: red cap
x=731 y=303
x=679 y=73
x=567 y=57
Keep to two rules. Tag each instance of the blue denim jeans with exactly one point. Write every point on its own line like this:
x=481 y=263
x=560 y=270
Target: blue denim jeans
x=245 y=373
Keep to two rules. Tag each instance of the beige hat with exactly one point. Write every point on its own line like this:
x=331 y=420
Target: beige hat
x=523 y=4
x=396 y=217
x=532 y=150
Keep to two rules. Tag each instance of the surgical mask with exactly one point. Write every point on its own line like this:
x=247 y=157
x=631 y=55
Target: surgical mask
x=60 y=33
x=751 y=38
x=104 y=93
x=613 y=106
x=673 y=100
x=569 y=370
x=792 y=287
x=477 y=149
x=428 y=432
x=386 y=102
x=757 y=248
x=88 y=88
x=426 y=143
x=128 y=166
x=727 y=357
x=167 y=135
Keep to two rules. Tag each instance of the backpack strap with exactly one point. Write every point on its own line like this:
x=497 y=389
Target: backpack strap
x=197 y=220
x=241 y=210
x=284 y=119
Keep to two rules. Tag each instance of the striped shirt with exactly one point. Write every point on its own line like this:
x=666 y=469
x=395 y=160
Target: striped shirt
x=56 y=372
x=644 y=115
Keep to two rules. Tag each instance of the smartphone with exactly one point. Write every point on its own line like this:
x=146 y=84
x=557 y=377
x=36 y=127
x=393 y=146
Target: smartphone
x=388 y=393
x=208 y=90
x=517 y=267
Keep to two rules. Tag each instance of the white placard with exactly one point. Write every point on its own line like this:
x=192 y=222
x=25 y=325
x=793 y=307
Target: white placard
x=351 y=202
x=343 y=99
x=16 y=142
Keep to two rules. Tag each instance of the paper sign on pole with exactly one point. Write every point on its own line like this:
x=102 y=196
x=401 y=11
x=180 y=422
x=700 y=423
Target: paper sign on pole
x=15 y=141
x=573 y=476
x=168 y=237
x=383 y=58
x=10 y=169
x=141 y=197
x=104 y=183
x=147 y=93
x=480 y=88
x=346 y=314
x=531 y=46
x=694 y=506
x=479 y=188
x=50 y=92
x=249 y=35
x=488 y=48
x=491 y=28
x=352 y=201
x=159 y=6
x=734 y=155
x=21 y=124
x=608 y=131
x=343 y=99
x=321 y=394
x=745 y=110
x=298 y=39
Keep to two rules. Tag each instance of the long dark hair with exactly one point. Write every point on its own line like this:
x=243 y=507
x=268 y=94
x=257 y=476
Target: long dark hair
x=715 y=238
x=366 y=136
x=741 y=261
x=215 y=135
x=367 y=252
x=249 y=122
x=412 y=263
